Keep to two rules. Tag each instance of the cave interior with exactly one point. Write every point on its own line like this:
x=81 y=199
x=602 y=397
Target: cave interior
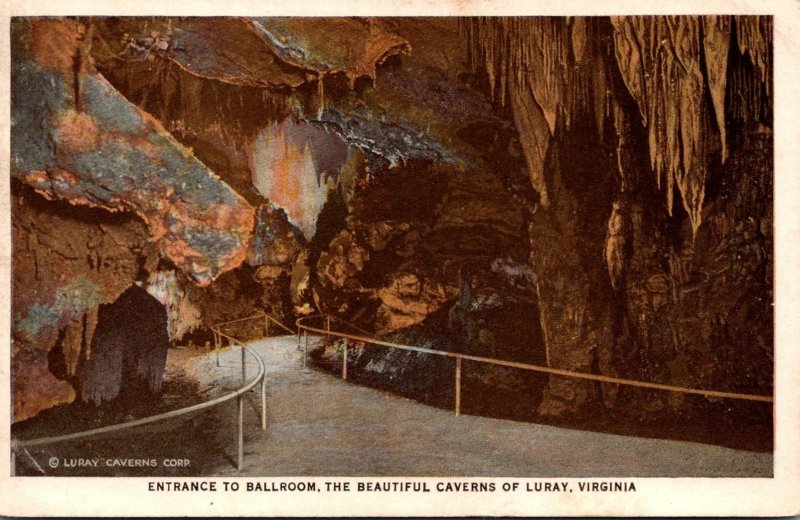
x=586 y=193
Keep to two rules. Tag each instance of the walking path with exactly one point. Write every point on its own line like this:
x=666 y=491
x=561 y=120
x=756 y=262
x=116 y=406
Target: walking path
x=319 y=425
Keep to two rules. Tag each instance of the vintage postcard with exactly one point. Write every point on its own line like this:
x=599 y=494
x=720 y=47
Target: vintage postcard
x=434 y=260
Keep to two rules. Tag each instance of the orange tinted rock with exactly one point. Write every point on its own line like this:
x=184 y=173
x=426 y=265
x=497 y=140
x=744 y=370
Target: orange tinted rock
x=77 y=139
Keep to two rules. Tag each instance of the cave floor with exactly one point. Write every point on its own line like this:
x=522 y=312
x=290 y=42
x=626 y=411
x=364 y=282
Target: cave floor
x=320 y=425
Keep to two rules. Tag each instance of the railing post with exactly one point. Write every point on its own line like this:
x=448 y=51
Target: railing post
x=264 y=402
x=266 y=325
x=458 y=385
x=13 y=463
x=299 y=336
x=328 y=323
x=344 y=360
x=244 y=370
x=240 y=433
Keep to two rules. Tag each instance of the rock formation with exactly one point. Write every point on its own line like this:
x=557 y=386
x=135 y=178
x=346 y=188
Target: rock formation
x=592 y=194
x=611 y=113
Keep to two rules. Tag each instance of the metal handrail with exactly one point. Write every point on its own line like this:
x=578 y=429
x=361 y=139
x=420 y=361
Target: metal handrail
x=17 y=444
x=329 y=318
x=302 y=328
x=280 y=324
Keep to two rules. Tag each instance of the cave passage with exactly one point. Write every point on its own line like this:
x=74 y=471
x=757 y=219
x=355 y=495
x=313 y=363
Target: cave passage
x=588 y=194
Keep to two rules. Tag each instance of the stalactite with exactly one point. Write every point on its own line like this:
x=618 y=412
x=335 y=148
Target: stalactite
x=545 y=67
x=320 y=96
x=619 y=231
x=754 y=35
x=71 y=345
x=619 y=121
x=716 y=46
x=660 y=61
x=181 y=99
x=667 y=63
x=182 y=315
x=531 y=123
x=578 y=25
x=600 y=91
x=617 y=244
x=284 y=171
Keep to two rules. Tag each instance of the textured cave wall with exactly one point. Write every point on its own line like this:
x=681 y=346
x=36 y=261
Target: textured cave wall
x=606 y=207
x=67 y=261
x=75 y=138
x=435 y=253
x=442 y=198
x=101 y=191
x=664 y=108
x=408 y=237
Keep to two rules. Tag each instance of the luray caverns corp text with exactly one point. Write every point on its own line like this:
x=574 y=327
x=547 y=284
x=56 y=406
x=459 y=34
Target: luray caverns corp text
x=397 y=487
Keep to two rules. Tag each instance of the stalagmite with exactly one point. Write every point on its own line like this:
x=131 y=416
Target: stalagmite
x=71 y=345
x=89 y=326
x=617 y=244
x=130 y=343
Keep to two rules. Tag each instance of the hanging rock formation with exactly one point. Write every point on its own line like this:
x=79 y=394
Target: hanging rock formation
x=661 y=84
x=79 y=140
x=501 y=186
x=293 y=165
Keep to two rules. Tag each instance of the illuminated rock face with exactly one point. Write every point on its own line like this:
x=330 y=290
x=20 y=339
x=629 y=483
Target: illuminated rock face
x=294 y=165
x=75 y=138
x=411 y=155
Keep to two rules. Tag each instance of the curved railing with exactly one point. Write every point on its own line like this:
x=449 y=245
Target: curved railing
x=303 y=329
x=219 y=337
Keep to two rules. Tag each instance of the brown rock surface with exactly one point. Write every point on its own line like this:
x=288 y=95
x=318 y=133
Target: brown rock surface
x=583 y=177
x=79 y=140
x=67 y=261
x=505 y=188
